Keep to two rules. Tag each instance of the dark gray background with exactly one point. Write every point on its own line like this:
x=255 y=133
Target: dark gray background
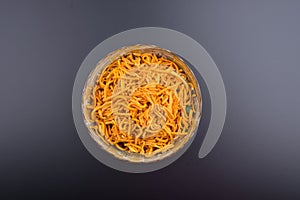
x=256 y=45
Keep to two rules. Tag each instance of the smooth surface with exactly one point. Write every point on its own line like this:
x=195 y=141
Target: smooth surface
x=256 y=46
x=178 y=43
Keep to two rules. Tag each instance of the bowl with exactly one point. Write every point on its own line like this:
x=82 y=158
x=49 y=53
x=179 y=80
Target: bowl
x=147 y=74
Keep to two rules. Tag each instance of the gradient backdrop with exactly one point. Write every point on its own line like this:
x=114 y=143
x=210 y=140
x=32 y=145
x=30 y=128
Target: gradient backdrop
x=255 y=44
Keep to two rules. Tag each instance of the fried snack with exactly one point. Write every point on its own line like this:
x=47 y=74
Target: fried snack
x=142 y=103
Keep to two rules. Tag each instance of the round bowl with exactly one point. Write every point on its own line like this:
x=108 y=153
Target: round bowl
x=174 y=145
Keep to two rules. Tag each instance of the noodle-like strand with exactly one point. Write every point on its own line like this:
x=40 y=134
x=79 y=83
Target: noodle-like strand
x=163 y=87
